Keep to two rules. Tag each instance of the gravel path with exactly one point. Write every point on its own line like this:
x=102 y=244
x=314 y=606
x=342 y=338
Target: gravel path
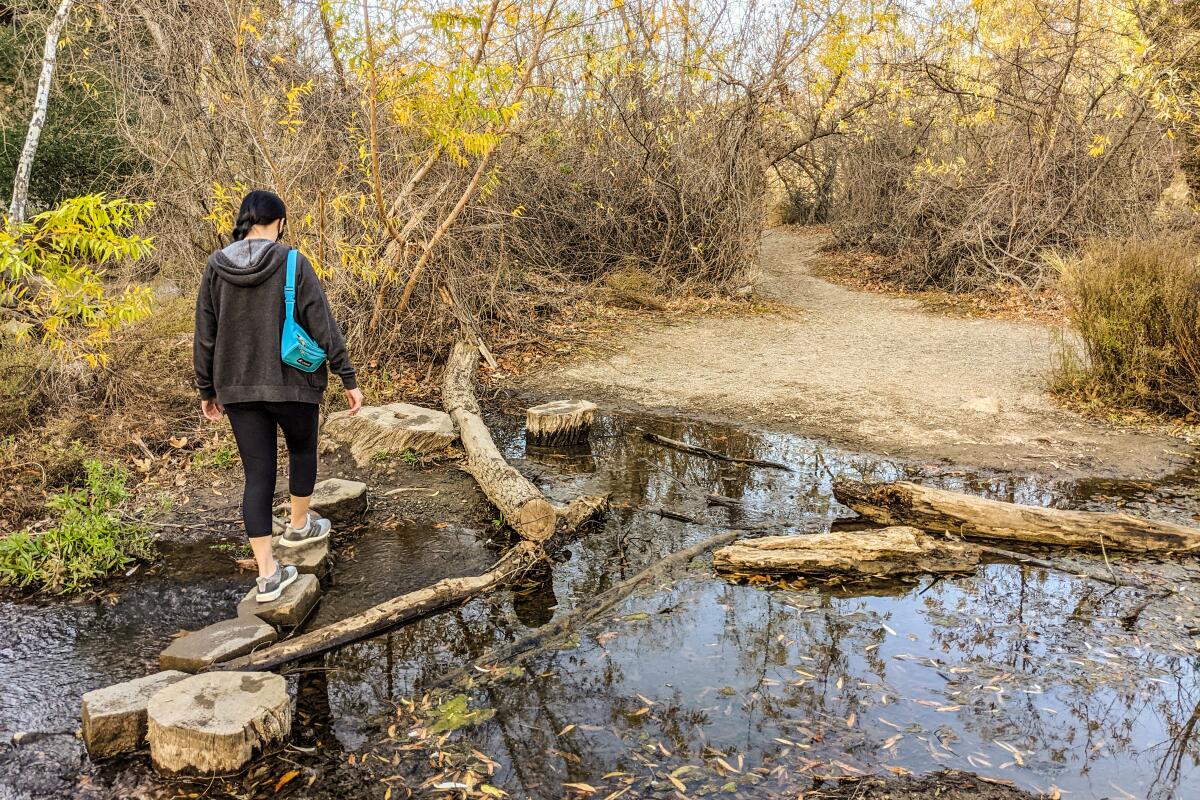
x=867 y=371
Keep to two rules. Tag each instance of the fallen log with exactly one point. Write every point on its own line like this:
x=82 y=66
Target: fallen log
x=390 y=613
x=888 y=552
x=943 y=511
x=520 y=502
x=602 y=603
x=697 y=450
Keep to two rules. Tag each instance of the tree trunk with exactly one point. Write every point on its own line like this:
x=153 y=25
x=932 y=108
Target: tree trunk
x=522 y=504
x=20 y=195
x=889 y=552
x=389 y=614
x=943 y=511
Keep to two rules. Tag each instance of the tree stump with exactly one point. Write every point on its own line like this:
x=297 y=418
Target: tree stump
x=215 y=723
x=559 y=423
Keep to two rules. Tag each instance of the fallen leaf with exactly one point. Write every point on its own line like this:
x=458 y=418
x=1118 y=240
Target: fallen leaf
x=285 y=778
x=584 y=788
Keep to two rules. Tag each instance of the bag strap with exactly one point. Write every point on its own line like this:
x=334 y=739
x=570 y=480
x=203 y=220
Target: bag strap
x=289 y=288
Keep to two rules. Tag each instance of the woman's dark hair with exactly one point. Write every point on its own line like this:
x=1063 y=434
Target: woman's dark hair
x=260 y=207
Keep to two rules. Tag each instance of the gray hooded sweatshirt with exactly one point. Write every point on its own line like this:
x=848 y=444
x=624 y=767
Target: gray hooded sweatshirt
x=239 y=324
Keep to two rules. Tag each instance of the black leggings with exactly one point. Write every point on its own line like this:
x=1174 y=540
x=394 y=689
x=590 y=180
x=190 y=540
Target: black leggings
x=254 y=429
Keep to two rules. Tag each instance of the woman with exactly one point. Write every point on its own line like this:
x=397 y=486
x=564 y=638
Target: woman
x=239 y=321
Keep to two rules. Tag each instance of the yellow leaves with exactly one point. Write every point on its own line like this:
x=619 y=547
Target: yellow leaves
x=1100 y=143
x=292 y=105
x=66 y=247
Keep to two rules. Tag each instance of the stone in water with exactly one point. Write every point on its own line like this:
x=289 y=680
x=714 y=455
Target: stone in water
x=218 y=642
x=290 y=608
x=114 y=718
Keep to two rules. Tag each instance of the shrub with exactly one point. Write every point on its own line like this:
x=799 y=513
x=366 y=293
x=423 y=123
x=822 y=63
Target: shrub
x=1136 y=306
x=88 y=541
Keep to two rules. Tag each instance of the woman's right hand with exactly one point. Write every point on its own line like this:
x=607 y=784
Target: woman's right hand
x=355 y=398
x=212 y=410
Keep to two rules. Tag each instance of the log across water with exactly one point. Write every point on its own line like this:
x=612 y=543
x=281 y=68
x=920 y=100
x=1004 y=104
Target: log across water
x=388 y=614
x=524 y=507
x=943 y=511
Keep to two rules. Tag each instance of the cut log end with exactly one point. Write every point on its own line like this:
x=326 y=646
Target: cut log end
x=559 y=423
x=536 y=520
x=215 y=723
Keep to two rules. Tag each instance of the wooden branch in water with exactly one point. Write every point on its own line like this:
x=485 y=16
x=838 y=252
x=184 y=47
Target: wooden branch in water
x=391 y=613
x=564 y=625
x=697 y=450
x=971 y=517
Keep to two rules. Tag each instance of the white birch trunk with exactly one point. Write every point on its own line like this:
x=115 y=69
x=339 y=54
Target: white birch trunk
x=20 y=195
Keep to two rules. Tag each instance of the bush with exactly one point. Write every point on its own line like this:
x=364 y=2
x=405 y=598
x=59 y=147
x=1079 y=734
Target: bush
x=1136 y=306
x=88 y=541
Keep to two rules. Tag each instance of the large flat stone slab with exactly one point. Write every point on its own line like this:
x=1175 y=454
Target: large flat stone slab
x=114 y=718
x=218 y=642
x=389 y=430
x=290 y=608
x=308 y=559
x=337 y=500
x=215 y=723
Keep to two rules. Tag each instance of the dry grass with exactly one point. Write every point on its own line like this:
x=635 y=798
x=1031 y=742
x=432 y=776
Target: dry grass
x=1136 y=307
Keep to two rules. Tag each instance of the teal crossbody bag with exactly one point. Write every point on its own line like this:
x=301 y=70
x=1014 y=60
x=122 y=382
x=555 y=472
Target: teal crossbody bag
x=297 y=348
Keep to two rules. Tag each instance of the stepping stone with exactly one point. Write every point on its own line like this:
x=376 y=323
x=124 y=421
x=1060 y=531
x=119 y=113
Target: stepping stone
x=290 y=608
x=389 y=430
x=309 y=559
x=114 y=718
x=215 y=723
x=335 y=499
x=218 y=642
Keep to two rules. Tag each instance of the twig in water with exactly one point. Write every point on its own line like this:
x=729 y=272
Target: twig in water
x=560 y=627
x=695 y=449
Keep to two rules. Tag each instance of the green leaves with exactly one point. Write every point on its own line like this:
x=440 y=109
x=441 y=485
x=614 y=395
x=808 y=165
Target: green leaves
x=88 y=541
x=455 y=713
x=51 y=272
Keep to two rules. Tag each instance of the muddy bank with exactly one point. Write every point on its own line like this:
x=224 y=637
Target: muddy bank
x=751 y=690
x=866 y=371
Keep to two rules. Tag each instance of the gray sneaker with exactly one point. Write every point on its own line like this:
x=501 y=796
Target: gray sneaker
x=270 y=588
x=316 y=530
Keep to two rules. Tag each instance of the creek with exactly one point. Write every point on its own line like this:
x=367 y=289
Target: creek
x=1015 y=673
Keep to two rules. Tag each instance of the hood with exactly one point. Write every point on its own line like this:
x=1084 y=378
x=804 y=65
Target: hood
x=248 y=262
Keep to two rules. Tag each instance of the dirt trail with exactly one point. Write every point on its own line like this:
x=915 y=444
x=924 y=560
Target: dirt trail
x=867 y=371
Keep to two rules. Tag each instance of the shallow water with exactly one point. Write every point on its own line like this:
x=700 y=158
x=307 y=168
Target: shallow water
x=1015 y=673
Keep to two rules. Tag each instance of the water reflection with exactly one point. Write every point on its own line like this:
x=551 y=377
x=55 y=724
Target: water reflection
x=1016 y=673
